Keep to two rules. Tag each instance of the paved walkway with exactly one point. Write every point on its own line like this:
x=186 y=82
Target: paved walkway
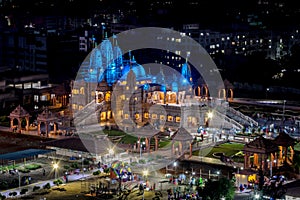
x=73 y=177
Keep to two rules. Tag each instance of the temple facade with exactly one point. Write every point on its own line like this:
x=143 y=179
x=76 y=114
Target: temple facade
x=121 y=91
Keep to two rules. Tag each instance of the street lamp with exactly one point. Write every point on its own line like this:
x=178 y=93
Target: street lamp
x=175 y=165
x=142 y=144
x=55 y=166
x=19 y=178
x=145 y=174
x=81 y=164
x=111 y=153
x=283 y=111
x=271 y=165
x=238 y=172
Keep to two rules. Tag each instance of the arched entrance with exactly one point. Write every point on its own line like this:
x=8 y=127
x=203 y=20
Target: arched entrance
x=19 y=119
x=47 y=118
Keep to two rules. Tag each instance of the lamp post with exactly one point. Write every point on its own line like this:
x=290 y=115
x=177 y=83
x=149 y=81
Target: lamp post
x=142 y=144
x=81 y=164
x=238 y=172
x=271 y=167
x=55 y=167
x=283 y=111
x=145 y=174
x=175 y=165
x=111 y=153
x=267 y=90
x=218 y=173
x=19 y=178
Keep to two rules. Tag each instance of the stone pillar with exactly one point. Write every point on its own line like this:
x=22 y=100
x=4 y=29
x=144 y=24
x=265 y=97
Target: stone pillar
x=19 y=124
x=46 y=127
x=191 y=150
x=54 y=127
x=147 y=141
x=139 y=143
x=156 y=143
x=255 y=159
x=172 y=149
x=11 y=123
x=39 y=128
x=180 y=148
x=280 y=152
x=285 y=154
x=292 y=152
x=27 y=123
x=245 y=161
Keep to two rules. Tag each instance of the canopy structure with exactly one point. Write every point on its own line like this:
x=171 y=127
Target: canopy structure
x=25 y=154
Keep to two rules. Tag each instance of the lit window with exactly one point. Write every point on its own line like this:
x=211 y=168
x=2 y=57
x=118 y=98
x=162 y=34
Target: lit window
x=146 y=115
x=137 y=116
x=177 y=119
x=82 y=90
x=170 y=118
x=154 y=116
x=162 y=117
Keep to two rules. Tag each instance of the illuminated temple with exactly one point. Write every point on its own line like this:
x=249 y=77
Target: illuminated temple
x=112 y=89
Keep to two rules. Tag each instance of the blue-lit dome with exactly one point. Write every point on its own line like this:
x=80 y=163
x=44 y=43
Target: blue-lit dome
x=174 y=83
x=118 y=55
x=126 y=69
x=160 y=78
x=107 y=52
x=137 y=69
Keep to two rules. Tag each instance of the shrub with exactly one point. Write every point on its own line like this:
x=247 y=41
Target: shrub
x=12 y=194
x=106 y=170
x=24 y=170
x=47 y=186
x=66 y=167
x=86 y=162
x=32 y=166
x=3 y=185
x=57 y=182
x=74 y=165
x=2 y=197
x=142 y=161
x=96 y=172
x=36 y=188
x=24 y=190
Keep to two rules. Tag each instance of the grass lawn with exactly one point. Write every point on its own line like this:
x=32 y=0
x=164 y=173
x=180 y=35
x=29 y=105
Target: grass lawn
x=297 y=147
x=131 y=139
x=229 y=149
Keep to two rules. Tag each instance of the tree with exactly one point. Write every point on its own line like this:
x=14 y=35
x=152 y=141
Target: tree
x=296 y=163
x=215 y=190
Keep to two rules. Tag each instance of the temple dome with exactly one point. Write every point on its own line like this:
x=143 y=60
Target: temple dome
x=137 y=69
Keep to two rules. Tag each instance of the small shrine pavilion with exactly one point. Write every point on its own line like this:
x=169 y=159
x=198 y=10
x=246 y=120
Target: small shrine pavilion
x=19 y=114
x=263 y=151
x=286 y=145
x=182 y=140
x=48 y=118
